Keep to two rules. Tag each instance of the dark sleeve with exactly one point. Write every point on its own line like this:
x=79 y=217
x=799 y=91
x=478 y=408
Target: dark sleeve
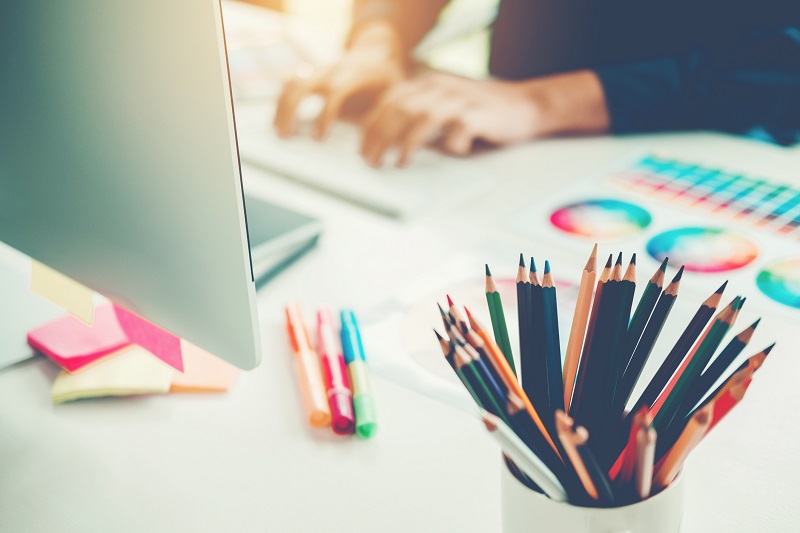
x=749 y=86
x=412 y=18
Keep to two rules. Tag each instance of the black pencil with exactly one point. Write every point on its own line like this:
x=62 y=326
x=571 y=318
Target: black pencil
x=618 y=359
x=646 y=344
x=523 y=318
x=555 y=384
x=641 y=315
x=537 y=345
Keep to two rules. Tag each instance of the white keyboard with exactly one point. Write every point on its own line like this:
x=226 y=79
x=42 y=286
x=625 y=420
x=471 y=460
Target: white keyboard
x=335 y=166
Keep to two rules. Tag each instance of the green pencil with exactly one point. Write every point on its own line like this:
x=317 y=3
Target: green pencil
x=498 y=318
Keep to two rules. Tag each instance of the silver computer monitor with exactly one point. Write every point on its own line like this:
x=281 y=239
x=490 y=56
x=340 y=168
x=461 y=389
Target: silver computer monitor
x=118 y=160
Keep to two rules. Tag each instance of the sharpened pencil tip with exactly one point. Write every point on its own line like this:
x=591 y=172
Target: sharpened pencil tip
x=678 y=276
x=438 y=335
x=664 y=264
x=521 y=260
x=619 y=259
x=754 y=325
x=610 y=260
x=533 y=265
x=441 y=309
x=741 y=304
x=450 y=301
x=546 y=266
x=488 y=272
x=594 y=250
x=769 y=348
x=633 y=258
x=722 y=287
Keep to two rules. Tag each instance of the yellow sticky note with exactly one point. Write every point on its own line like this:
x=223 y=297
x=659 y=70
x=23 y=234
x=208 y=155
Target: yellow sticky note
x=63 y=291
x=132 y=370
x=202 y=372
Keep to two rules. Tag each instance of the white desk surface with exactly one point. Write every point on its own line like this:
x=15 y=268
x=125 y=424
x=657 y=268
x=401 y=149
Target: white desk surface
x=247 y=462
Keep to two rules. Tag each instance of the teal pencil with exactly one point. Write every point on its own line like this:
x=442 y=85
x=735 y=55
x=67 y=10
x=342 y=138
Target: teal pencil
x=555 y=385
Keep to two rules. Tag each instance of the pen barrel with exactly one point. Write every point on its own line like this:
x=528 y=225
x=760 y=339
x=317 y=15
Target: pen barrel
x=340 y=399
x=363 y=399
x=312 y=390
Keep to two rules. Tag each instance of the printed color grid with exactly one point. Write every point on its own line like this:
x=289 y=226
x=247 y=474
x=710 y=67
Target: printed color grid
x=764 y=203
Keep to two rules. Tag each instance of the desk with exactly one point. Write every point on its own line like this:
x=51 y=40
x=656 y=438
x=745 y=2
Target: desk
x=246 y=461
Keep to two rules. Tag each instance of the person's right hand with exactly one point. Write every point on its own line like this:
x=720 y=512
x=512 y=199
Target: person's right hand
x=372 y=64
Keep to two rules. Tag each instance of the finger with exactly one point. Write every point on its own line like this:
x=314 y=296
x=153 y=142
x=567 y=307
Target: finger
x=383 y=133
x=286 y=110
x=458 y=139
x=330 y=112
x=423 y=132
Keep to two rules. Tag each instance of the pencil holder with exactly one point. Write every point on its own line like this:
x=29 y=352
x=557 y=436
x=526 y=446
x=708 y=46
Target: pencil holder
x=526 y=511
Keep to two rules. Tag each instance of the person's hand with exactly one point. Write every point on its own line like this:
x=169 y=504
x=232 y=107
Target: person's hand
x=371 y=64
x=454 y=112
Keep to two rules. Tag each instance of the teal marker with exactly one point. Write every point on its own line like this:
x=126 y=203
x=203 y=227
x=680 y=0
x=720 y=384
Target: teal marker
x=363 y=400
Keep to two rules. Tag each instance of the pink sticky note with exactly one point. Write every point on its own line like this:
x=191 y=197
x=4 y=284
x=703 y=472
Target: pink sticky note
x=155 y=340
x=203 y=372
x=71 y=344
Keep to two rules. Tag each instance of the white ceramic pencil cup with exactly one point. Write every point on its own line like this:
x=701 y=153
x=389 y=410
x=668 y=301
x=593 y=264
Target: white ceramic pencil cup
x=526 y=511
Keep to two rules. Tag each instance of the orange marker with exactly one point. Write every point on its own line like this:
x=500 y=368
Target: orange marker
x=307 y=370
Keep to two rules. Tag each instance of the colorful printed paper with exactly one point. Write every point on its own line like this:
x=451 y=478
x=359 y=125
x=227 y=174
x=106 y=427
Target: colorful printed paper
x=155 y=340
x=63 y=291
x=131 y=371
x=601 y=219
x=203 y=372
x=703 y=249
x=72 y=345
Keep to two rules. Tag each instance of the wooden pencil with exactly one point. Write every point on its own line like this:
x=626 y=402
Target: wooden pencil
x=617 y=356
x=645 y=307
x=680 y=350
x=669 y=467
x=537 y=346
x=509 y=378
x=578 y=330
x=449 y=350
x=645 y=346
x=580 y=382
x=555 y=385
x=645 y=455
x=668 y=403
x=564 y=426
x=642 y=419
x=524 y=458
x=753 y=363
x=498 y=318
x=523 y=304
x=703 y=383
x=598 y=474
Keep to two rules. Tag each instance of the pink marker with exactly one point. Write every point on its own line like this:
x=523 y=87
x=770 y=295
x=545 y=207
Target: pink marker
x=334 y=374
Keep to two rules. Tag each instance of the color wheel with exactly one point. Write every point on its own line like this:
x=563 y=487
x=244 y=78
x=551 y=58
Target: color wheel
x=781 y=282
x=601 y=219
x=703 y=249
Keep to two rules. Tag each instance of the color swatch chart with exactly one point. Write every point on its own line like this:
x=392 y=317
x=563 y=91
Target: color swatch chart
x=765 y=203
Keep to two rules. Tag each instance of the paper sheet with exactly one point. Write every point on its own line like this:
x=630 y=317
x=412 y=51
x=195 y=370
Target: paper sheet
x=203 y=372
x=128 y=372
x=72 y=345
x=155 y=340
x=63 y=291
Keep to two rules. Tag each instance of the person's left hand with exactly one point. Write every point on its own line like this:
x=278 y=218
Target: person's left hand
x=452 y=111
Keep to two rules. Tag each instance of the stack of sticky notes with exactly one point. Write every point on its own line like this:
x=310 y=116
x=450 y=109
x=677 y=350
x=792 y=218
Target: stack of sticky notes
x=121 y=354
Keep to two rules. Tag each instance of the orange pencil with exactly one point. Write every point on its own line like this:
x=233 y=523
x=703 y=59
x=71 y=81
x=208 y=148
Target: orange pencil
x=669 y=467
x=307 y=369
x=578 y=331
x=645 y=454
x=564 y=428
x=507 y=374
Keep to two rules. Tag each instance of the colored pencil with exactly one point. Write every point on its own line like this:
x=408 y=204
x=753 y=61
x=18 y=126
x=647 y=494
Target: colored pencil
x=537 y=376
x=498 y=319
x=645 y=454
x=645 y=307
x=669 y=467
x=753 y=363
x=575 y=440
x=680 y=350
x=481 y=351
x=564 y=429
x=509 y=378
x=642 y=419
x=524 y=458
x=490 y=396
x=576 y=405
x=618 y=358
x=555 y=385
x=578 y=330
x=703 y=383
x=645 y=345
x=449 y=350
x=523 y=293
x=667 y=405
